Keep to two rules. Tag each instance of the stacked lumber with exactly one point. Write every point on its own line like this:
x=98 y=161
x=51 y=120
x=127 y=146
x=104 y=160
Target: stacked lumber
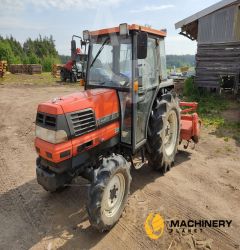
x=3 y=68
x=35 y=69
x=25 y=68
x=17 y=68
x=56 y=69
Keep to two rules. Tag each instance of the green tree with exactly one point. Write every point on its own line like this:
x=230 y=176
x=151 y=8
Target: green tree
x=47 y=63
x=33 y=59
x=6 y=52
x=180 y=61
x=16 y=47
x=41 y=50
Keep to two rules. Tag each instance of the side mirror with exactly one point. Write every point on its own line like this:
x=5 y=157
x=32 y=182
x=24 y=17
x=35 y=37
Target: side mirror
x=73 y=48
x=142 y=42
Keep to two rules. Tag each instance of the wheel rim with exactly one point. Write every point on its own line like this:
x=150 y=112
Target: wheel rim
x=170 y=133
x=113 y=195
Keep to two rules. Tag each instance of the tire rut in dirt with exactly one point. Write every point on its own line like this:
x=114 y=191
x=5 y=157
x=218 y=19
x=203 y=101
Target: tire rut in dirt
x=175 y=204
x=20 y=208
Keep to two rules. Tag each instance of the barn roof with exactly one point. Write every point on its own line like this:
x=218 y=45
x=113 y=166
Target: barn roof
x=189 y=25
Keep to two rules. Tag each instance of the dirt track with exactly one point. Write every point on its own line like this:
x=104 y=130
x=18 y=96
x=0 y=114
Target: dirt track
x=204 y=184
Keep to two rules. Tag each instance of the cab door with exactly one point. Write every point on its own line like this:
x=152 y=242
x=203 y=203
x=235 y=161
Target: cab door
x=147 y=75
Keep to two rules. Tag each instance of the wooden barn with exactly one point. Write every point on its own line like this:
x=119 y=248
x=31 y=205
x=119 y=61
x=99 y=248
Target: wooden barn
x=217 y=32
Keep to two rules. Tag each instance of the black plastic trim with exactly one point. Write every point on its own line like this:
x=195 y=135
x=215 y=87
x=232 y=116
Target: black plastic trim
x=77 y=161
x=65 y=153
x=61 y=123
x=99 y=124
x=92 y=86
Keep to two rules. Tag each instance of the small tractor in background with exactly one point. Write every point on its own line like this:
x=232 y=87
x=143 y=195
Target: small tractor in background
x=128 y=110
x=75 y=68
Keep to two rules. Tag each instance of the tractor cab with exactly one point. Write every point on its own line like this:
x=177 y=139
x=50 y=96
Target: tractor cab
x=130 y=59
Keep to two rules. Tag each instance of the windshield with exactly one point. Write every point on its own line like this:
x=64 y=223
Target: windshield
x=110 y=61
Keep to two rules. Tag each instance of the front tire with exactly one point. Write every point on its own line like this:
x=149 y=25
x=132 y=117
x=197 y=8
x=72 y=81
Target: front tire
x=109 y=192
x=163 y=133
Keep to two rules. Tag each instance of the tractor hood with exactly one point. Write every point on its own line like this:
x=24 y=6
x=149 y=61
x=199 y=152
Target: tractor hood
x=102 y=101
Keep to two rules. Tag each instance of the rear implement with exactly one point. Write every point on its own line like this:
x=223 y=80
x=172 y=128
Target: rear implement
x=190 y=122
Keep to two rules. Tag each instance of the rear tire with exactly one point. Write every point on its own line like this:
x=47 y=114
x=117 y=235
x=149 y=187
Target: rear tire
x=63 y=75
x=109 y=192
x=163 y=133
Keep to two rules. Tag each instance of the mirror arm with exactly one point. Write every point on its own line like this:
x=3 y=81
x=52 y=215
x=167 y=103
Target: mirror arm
x=77 y=37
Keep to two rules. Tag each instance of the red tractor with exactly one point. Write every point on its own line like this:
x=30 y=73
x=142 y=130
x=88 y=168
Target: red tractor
x=75 y=68
x=128 y=109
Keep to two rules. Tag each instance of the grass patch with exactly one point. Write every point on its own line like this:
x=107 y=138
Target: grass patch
x=210 y=109
x=24 y=79
x=43 y=79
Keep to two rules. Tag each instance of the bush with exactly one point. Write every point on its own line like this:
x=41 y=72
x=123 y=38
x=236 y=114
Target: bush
x=47 y=63
x=25 y=60
x=190 y=88
x=210 y=105
x=16 y=60
x=32 y=58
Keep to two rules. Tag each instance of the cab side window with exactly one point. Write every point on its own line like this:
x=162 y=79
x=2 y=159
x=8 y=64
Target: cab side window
x=147 y=68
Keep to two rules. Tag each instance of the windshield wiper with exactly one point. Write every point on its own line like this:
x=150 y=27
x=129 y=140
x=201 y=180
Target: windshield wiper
x=99 y=51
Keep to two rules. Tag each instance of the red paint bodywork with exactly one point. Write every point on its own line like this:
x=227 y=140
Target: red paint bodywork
x=68 y=65
x=104 y=102
x=190 y=123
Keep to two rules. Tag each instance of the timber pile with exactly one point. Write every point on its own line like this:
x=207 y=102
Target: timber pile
x=3 y=68
x=35 y=69
x=25 y=69
x=56 y=69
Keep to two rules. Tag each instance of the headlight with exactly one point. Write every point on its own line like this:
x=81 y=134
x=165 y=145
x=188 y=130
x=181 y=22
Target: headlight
x=51 y=135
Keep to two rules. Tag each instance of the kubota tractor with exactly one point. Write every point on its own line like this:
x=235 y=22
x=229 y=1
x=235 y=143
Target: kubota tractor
x=128 y=110
x=75 y=68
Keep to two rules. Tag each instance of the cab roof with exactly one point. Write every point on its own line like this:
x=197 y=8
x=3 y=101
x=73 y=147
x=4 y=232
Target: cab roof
x=161 y=33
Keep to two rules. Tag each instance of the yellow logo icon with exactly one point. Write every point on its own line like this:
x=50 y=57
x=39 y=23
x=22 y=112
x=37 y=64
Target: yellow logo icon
x=154 y=226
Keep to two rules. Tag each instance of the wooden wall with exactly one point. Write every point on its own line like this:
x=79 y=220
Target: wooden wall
x=221 y=26
x=215 y=60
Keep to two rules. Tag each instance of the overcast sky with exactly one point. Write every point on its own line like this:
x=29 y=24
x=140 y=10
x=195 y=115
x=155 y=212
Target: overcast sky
x=62 y=18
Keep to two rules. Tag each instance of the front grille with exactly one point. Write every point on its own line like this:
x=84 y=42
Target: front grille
x=40 y=118
x=46 y=120
x=83 y=121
